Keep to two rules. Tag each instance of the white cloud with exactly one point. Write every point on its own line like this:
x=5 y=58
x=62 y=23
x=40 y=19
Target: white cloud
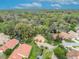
x=64 y=3
x=45 y=0
x=68 y=3
x=55 y=5
x=17 y=7
x=34 y=4
x=74 y=2
x=58 y=0
x=30 y=5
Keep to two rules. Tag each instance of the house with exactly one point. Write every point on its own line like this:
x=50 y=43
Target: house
x=73 y=34
x=67 y=35
x=10 y=44
x=55 y=35
x=72 y=54
x=64 y=35
x=69 y=44
x=39 y=39
x=23 y=51
x=3 y=38
x=46 y=45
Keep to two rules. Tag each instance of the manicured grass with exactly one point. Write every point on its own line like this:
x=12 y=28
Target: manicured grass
x=60 y=52
x=57 y=42
x=35 y=51
x=3 y=56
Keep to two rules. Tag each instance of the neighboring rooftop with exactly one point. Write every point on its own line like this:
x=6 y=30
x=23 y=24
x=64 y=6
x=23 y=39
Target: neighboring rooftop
x=10 y=44
x=3 y=38
x=73 y=54
x=22 y=51
x=39 y=39
x=64 y=35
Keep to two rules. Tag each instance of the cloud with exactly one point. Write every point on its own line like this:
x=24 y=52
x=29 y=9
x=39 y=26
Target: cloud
x=45 y=0
x=56 y=6
x=17 y=7
x=30 y=5
x=66 y=2
x=75 y=3
x=69 y=2
x=58 y=0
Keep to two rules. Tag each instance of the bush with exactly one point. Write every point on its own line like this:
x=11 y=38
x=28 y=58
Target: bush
x=7 y=28
x=60 y=53
x=47 y=54
x=35 y=51
x=1 y=19
x=24 y=30
x=2 y=55
x=8 y=52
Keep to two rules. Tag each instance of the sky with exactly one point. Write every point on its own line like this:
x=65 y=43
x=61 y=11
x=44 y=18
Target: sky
x=39 y=4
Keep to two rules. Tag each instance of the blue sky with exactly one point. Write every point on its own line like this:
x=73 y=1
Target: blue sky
x=45 y=4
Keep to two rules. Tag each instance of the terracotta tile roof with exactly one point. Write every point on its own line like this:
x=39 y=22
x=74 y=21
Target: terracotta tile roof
x=73 y=34
x=10 y=44
x=22 y=51
x=72 y=53
x=64 y=35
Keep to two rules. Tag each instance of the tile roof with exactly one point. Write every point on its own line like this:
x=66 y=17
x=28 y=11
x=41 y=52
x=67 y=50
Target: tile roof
x=73 y=53
x=64 y=35
x=22 y=51
x=10 y=44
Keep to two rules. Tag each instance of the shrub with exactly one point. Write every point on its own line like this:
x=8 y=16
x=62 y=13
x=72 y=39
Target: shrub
x=1 y=19
x=2 y=55
x=8 y=52
x=7 y=28
x=24 y=30
x=60 y=53
x=47 y=54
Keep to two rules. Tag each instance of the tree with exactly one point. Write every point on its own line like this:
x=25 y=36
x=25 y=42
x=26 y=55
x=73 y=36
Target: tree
x=60 y=53
x=47 y=54
x=1 y=19
x=8 y=52
x=25 y=30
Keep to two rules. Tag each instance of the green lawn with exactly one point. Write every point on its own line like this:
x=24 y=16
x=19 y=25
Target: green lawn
x=3 y=56
x=35 y=51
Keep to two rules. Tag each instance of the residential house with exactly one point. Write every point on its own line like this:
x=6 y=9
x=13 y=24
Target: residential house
x=9 y=45
x=3 y=38
x=73 y=35
x=72 y=54
x=69 y=44
x=23 y=51
x=46 y=45
x=64 y=35
x=39 y=39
